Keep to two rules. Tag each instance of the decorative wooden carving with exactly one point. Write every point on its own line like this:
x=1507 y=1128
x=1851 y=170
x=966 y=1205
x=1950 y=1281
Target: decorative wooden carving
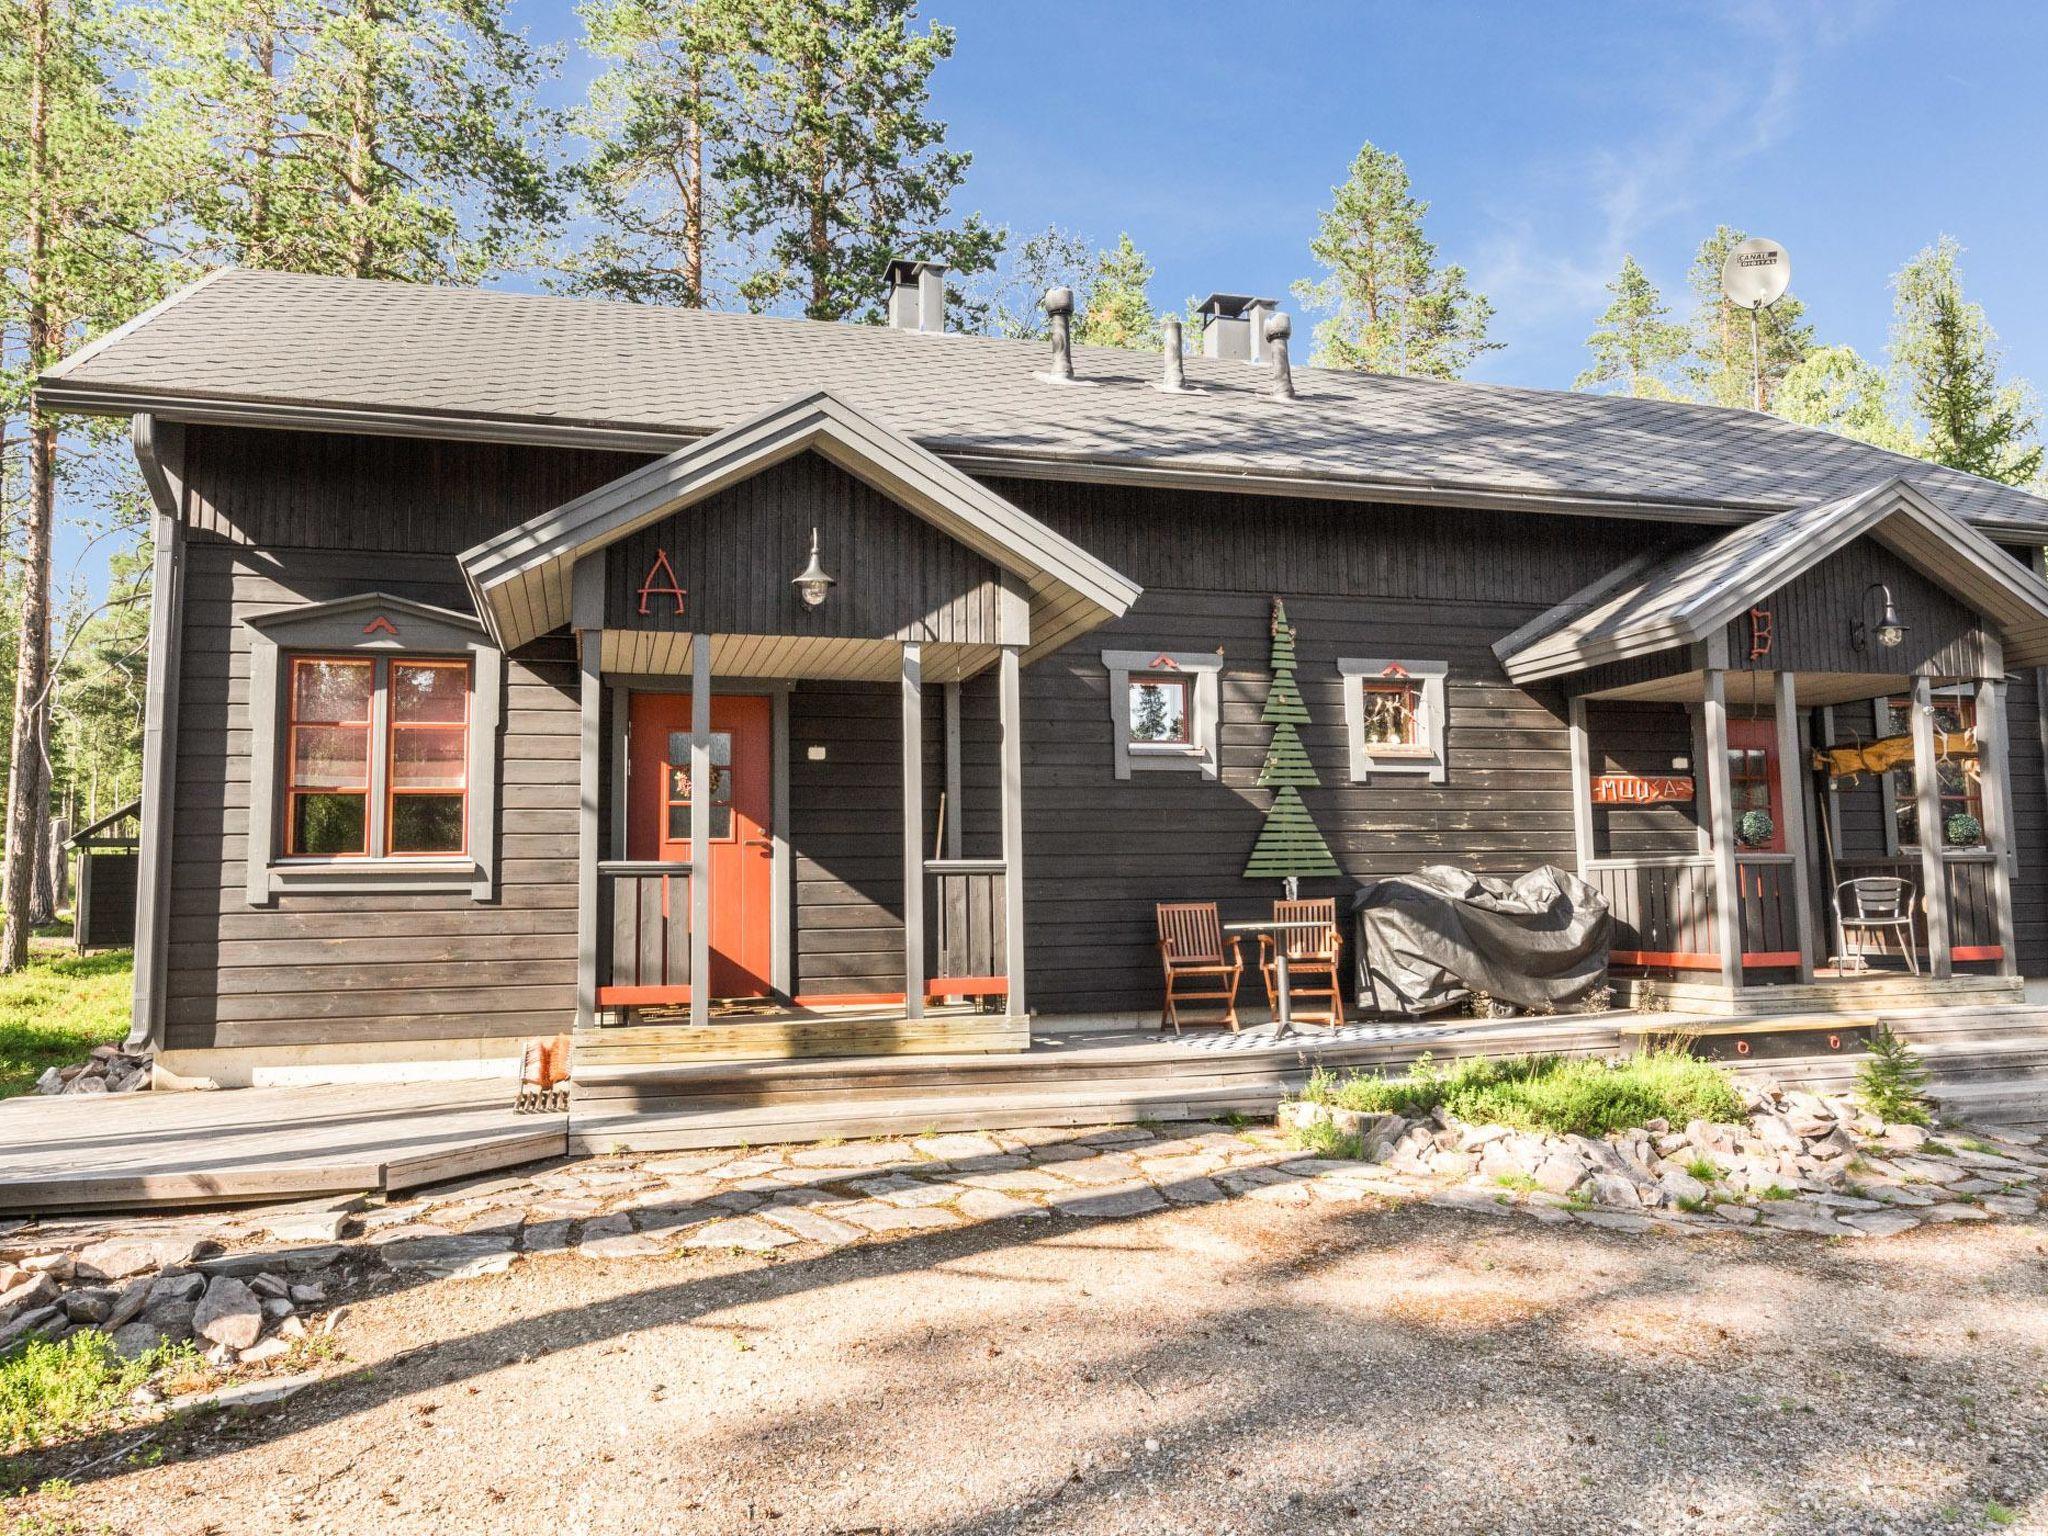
x=381 y=626
x=657 y=574
x=1759 y=633
x=1642 y=789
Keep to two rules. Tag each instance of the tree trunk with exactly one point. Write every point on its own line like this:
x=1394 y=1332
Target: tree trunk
x=362 y=147
x=693 y=195
x=257 y=247
x=27 y=795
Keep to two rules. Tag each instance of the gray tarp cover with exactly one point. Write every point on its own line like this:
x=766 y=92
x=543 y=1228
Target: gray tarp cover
x=1427 y=940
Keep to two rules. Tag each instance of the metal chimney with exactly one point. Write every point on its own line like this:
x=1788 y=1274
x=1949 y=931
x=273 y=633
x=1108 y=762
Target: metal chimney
x=1229 y=325
x=1059 y=313
x=1275 y=332
x=1173 y=375
x=917 y=295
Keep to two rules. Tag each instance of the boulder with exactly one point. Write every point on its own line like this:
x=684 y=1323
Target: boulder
x=128 y=1305
x=171 y=1320
x=38 y=1290
x=229 y=1313
x=1615 y=1190
x=134 y=1340
x=90 y=1306
x=1683 y=1188
x=35 y=1320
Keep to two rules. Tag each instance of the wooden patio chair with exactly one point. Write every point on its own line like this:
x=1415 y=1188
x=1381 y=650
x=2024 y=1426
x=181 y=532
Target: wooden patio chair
x=1871 y=907
x=1312 y=957
x=1193 y=952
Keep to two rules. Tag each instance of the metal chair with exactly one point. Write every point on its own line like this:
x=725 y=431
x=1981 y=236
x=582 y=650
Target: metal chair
x=1312 y=955
x=1192 y=950
x=1876 y=904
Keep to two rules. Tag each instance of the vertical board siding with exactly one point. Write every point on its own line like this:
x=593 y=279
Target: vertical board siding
x=1811 y=618
x=1644 y=739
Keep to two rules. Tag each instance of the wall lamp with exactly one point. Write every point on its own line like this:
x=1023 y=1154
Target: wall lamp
x=813 y=585
x=1880 y=620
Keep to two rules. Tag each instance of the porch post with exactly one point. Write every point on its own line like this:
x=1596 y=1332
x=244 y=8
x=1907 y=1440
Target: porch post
x=1009 y=703
x=1927 y=801
x=955 y=820
x=1721 y=830
x=1582 y=785
x=913 y=830
x=1792 y=777
x=587 y=604
x=700 y=830
x=1993 y=776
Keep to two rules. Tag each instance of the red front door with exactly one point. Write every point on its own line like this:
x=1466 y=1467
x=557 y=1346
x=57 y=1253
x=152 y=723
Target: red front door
x=1753 y=779
x=742 y=854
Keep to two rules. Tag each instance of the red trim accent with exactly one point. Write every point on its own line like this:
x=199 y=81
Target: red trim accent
x=635 y=997
x=651 y=588
x=968 y=986
x=1771 y=957
x=1977 y=952
x=381 y=625
x=844 y=999
x=1686 y=960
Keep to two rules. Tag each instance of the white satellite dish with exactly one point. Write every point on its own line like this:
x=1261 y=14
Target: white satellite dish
x=1756 y=274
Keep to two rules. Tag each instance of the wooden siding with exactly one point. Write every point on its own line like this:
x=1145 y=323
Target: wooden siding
x=898 y=576
x=1811 y=618
x=1646 y=739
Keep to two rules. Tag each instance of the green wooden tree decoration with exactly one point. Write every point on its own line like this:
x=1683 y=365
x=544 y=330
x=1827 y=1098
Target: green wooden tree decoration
x=1290 y=846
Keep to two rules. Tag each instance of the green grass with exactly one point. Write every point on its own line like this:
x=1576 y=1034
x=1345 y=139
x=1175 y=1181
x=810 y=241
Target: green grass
x=47 y=1390
x=1996 y=1513
x=1703 y=1169
x=1323 y=1139
x=57 y=1008
x=1565 y=1096
x=1524 y=1182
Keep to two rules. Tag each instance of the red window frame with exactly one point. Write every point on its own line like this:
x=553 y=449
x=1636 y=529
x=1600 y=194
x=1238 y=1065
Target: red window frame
x=380 y=734
x=394 y=727
x=1178 y=682
x=293 y=791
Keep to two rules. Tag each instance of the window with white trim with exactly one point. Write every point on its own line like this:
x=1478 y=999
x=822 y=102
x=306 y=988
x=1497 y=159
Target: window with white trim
x=1163 y=709
x=1394 y=717
x=373 y=749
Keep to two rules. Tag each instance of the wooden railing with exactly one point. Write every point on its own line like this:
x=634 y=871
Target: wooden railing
x=970 y=958
x=1664 y=910
x=1972 y=899
x=643 y=932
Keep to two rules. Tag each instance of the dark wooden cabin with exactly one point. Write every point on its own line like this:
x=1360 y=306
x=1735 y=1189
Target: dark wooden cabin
x=458 y=593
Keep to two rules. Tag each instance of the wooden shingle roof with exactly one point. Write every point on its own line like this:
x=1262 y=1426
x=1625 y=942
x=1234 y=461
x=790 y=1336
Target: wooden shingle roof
x=342 y=354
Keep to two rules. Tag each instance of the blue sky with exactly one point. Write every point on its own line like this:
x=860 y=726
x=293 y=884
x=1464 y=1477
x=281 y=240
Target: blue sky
x=1550 y=139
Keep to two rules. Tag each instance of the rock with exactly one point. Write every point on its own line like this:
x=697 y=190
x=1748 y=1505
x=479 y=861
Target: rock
x=171 y=1319
x=1131 y=1200
x=1879 y=1223
x=994 y=1205
x=293 y=1327
x=229 y=1313
x=1905 y=1138
x=252 y=1394
x=84 y=1084
x=35 y=1320
x=52 y=1080
x=817 y=1228
x=1740 y=1215
x=1559 y=1173
x=309 y=1294
x=128 y=1305
x=134 y=1340
x=1835 y=1143
x=222 y=1356
x=2011 y=1205
x=265 y=1350
x=1683 y=1188
x=37 y=1291
x=613 y=1237
x=1954 y=1210
x=749 y=1233
x=1796 y=1216
x=276 y=1308
x=91 y=1306
x=58 y=1266
x=1612 y=1189
x=268 y=1285
x=450 y=1257
x=545 y=1236
x=180 y=1287
x=1615 y=1221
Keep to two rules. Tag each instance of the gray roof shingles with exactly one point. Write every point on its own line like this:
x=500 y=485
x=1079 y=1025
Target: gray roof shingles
x=265 y=338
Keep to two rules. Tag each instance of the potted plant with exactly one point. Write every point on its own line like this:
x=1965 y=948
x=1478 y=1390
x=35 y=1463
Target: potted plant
x=1754 y=829
x=1963 y=830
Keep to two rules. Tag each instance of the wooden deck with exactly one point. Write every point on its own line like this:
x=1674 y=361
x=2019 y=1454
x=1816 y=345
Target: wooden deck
x=239 y=1144
x=786 y=1033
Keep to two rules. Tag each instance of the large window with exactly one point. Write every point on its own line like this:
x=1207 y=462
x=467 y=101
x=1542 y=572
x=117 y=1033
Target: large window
x=373 y=743
x=1954 y=715
x=350 y=716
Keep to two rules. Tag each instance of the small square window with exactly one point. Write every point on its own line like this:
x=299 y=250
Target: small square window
x=1394 y=717
x=1393 y=720
x=1159 y=711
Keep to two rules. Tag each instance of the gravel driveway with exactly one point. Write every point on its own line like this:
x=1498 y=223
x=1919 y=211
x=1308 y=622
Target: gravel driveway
x=1246 y=1366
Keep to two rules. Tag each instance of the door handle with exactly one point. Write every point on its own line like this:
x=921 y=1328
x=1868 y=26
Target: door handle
x=760 y=842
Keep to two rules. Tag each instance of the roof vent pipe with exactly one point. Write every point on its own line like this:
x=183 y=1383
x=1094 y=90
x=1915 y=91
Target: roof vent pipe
x=1174 y=375
x=1059 y=313
x=1275 y=332
x=917 y=295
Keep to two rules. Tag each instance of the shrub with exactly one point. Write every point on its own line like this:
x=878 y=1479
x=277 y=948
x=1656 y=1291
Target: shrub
x=1565 y=1096
x=1892 y=1079
x=47 y=1389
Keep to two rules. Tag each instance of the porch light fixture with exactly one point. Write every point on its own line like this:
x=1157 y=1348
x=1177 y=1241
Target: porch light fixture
x=813 y=584
x=1880 y=620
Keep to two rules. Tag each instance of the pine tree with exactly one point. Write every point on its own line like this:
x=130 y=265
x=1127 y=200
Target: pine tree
x=1892 y=1080
x=661 y=122
x=1391 y=308
x=1723 y=369
x=1636 y=345
x=842 y=166
x=1949 y=356
x=1115 y=309
x=366 y=138
x=1290 y=846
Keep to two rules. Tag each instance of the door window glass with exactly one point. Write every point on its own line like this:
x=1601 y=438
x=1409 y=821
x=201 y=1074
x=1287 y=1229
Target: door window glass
x=677 y=790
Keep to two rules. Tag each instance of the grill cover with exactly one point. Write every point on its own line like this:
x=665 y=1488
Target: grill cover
x=1427 y=941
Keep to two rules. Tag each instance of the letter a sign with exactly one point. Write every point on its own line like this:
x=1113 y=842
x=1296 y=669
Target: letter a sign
x=661 y=582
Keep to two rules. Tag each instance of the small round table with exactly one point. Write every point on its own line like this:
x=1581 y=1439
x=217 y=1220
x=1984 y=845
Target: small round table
x=1284 y=1015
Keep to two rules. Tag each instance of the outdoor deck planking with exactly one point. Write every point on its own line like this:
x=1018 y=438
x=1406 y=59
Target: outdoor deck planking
x=150 y=1149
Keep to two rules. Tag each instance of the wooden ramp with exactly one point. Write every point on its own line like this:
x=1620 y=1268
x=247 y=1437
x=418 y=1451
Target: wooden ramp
x=148 y=1149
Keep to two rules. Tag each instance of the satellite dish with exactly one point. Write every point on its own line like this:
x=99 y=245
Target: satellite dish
x=1756 y=274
